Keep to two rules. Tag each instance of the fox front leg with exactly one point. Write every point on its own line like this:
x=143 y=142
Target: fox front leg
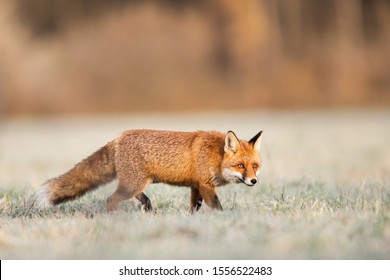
x=196 y=200
x=209 y=195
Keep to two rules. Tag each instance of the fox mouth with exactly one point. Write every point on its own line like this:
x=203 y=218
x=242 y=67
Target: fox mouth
x=248 y=184
x=236 y=177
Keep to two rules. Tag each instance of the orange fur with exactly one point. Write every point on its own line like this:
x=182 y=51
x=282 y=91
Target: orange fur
x=200 y=160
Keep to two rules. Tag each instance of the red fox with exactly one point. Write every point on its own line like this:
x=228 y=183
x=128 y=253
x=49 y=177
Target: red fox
x=200 y=160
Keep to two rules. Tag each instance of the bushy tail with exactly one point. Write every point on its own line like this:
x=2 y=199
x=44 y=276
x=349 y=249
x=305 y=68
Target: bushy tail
x=97 y=169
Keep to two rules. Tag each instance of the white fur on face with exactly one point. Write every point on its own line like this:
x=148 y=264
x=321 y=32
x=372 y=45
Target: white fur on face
x=231 y=176
x=236 y=177
x=42 y=197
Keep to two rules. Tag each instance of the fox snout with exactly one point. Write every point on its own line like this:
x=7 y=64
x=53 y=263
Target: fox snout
x=253 y=181
x=237 y=177
x=250 y=181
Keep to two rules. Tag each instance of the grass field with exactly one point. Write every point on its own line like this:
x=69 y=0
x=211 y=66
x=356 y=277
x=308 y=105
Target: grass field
x=324 y=192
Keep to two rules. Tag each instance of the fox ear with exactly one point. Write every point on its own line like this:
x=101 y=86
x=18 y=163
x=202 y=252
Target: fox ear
x=256 y=141
x=231 y=142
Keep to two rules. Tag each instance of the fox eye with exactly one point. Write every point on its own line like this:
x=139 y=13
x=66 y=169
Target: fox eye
x=240 y=165
x=255 y=165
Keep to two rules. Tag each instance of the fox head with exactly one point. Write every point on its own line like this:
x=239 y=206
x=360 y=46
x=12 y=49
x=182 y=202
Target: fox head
x=241 y=162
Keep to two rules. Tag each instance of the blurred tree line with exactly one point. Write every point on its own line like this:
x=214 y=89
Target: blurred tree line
x=274 y=53
x=311 y=17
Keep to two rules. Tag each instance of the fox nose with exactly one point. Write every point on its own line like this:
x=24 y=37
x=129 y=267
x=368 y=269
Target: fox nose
x=253 y=181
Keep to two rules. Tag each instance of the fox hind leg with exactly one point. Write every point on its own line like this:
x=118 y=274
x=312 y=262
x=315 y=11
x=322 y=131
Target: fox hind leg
x=127 y=190
x=145 y=201
x=118 y=196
